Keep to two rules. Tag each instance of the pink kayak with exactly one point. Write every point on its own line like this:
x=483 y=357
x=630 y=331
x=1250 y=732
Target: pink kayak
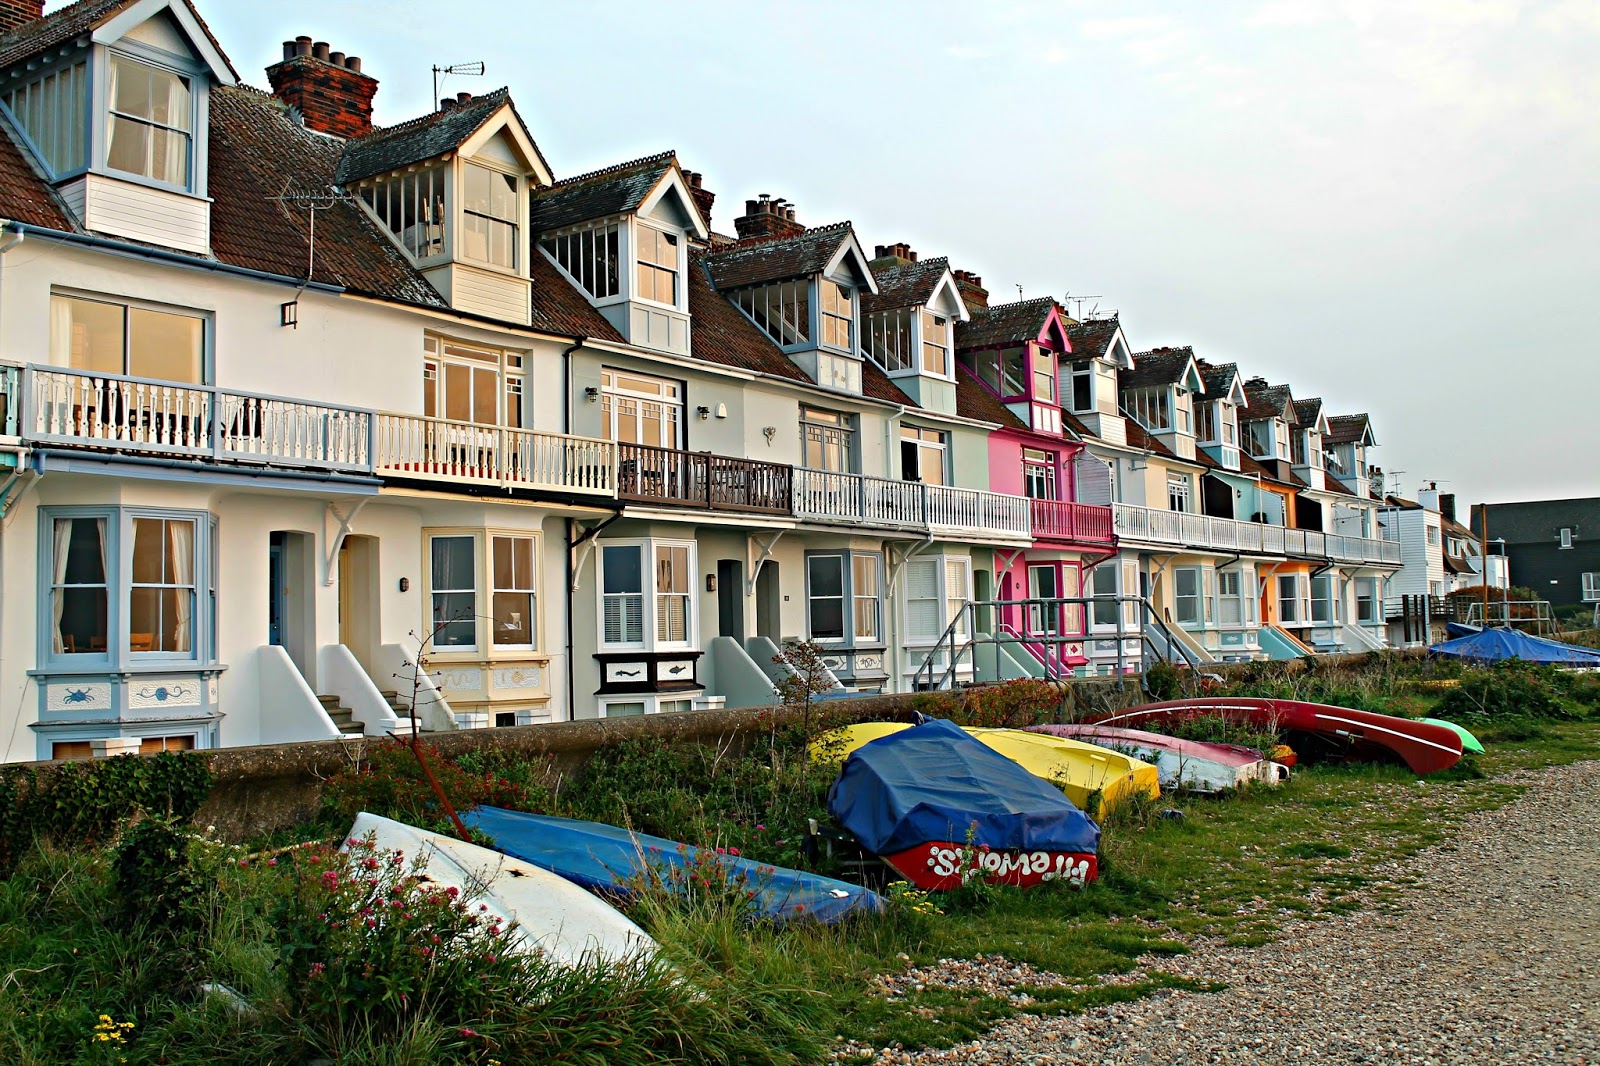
x=1187 y=764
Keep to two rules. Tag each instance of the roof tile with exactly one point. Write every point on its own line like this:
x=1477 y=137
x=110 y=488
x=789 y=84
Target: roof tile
x=610 y=191
x=975 y=401
x=1092 y=339
x=776 y=259
x=418 y=139
x=1159 y=366
x=1012 y=323
x=903 y=284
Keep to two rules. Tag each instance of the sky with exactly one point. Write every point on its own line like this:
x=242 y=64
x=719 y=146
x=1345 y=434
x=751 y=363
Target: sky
x=1391 y=204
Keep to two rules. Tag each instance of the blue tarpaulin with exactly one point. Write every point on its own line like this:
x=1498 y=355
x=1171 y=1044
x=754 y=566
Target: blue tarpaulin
x=935 y=782
x=1494 y=645
x=604 y=858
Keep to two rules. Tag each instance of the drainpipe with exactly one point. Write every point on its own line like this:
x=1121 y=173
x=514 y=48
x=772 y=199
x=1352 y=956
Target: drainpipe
x=566 y=427
x=11 y=242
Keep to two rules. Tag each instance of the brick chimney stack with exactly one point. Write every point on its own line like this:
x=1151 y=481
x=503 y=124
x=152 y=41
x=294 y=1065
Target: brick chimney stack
x=901 y=252
x=17 y=13
x=973 y=294
x=326 y=87
x=766 y=217
x=703 y=197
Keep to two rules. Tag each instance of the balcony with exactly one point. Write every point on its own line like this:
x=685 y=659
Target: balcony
x=1180 y=529
x=669 y=477
x=115 y=413
x=859 y=500
x=435 y=449
x=1084 y=523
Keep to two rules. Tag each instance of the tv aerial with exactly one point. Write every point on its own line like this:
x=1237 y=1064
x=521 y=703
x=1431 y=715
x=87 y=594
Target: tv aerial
x=475 y=69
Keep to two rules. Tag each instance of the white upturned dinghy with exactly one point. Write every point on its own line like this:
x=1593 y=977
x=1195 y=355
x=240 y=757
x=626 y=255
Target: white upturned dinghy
x=566 y=923
x=1192 y=765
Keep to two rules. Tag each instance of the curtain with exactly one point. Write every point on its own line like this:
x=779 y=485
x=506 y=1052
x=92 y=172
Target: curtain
x=175 y=168
x=63 y=542
x=180 y=558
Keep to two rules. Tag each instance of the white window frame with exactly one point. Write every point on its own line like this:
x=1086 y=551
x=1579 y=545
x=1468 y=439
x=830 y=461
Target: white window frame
x=519 y=199
x=475 y=590
x=193 y=134
x=1080 y=372
x=851 y=598
x=1296 y=601
x=614 y=397
x=1196 y=618
x=598 y=275
x=1566 y=537
x=1328 y=602
x=439 y=353
x=676 y=240
x=846 y=622
x=943 y=565
x=832 y=431
x=1039 y=466
x=1179 y=491
x=939 y=446
x=1590 y=584
x=844 y=295
x=945 y=350
x=651 y=596
x=531 y=589
x=61 y=347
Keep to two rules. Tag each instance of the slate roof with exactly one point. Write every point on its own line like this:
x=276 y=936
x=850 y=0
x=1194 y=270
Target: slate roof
x=973 y=400
x=778 y=258
x=903 y=284
x=1306 y=411
x=257 y=153
x=1092 y=339
x=1273 y=401
x=1346 y=429
x=1218 y=378
x=999 y=324
x=608 y=191
x=418 y=139
x=1159 y=366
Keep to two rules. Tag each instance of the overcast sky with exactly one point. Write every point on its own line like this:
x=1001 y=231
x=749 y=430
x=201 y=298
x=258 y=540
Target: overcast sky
x=1392 y=204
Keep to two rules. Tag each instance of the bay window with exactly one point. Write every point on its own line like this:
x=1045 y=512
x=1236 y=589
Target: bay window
x=512 y=591
x=838 y=315
x=1236 y=597
x=151 y=122
x=886 y=338
x=489 y=207
x=866 y=589
x=922 y=455
x=1103 y=583
x=453 y=584
x=782 y=309
x=125 y=585
x=1044 y=375
x=657 y=275
x=1367 y=601
x=108 y=336
x=647 y=594
x=1290 y=608
x=1043 y=618
x=842 y=597
x=1324 y=604
x=52 y=111
x=1188 y=597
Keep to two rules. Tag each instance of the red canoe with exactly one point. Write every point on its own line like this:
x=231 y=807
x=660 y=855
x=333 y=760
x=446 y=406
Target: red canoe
x=1425 y=748
x=941 y=865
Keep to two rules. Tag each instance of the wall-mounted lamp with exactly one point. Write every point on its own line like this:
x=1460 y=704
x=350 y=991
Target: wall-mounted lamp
x=769 y=432
x=289 y=313
x=591 y=393
x=722 y=410
x=703 y=412
x=711 y=582
x=405 y=584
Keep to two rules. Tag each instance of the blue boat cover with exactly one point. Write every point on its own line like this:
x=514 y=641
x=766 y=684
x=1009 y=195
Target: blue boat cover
x=935 y=782
x=1494 y=645
x=603 y=858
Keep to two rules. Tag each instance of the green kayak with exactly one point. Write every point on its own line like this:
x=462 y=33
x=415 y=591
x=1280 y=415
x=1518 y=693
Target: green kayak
x=1468 y=741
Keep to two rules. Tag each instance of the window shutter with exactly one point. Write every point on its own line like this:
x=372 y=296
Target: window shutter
x=955 y=593
x=922 y=600
x=1093 y=479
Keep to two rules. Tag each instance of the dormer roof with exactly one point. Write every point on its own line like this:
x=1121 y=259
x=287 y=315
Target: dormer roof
x=1267 y=401
x=1350 y=429
x=1093 y=339
x=104 y=22
x=1309 y=413
x=430 y=136
x=1223 y=381
x=819 y=250
x=1164 y=366
x=618 y=189
x=1038 y=319
x=905 y=283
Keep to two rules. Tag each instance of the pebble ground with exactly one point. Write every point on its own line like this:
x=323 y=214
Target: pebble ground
x=1489 y=954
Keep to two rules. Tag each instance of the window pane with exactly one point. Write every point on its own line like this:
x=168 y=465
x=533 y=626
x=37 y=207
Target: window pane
x=513 y=618
x=86 y=334
x=457 y=392
x=80 y=593
x=827 y=619
x=165 y=346
x=623 y=570
x=453 y=620
x=149 y=554
x=624 y=710
x=827 y=575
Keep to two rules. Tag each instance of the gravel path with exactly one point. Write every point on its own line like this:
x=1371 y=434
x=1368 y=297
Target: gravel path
x=1490 y=955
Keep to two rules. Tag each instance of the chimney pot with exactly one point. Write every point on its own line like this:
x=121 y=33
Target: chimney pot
x=336 y=58
x=767 y=216
x=751 y=206
x=788 y=213
x=353 y=63
x=319 y=50
x=288 y=49
x=463 y=98
x=447 y=103
x=302 y=46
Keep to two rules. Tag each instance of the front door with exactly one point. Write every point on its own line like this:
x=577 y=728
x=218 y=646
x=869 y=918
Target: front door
x=358 y=598
x=769 y=609
x=277 y=593
x=730 y=599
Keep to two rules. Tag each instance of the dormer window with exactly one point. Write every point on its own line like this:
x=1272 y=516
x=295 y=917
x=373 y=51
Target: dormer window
x=152 y=121
x=52 y=112
x=1044 y=375
x=838 y=315
x=489 y=216
x=782 y=309
x=1151 y=408
x=411 y=206
x=658 y=266
x=592 y=257
x=1081 y=377
x=935 y=344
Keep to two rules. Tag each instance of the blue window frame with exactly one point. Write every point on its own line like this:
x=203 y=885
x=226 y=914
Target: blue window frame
x=124 y=586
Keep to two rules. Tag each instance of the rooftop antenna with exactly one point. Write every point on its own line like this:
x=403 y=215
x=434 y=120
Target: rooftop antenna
x=1068 y=298
x=474 y=69
x=312 y=201
x=1019 y=292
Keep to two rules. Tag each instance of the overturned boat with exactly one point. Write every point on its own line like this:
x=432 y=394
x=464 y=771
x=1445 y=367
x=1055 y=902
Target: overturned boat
x=1192 y=765
x=942 y=808
x=553 y=916
x=616 y=862
x=1314 y=729
x=1095 y=778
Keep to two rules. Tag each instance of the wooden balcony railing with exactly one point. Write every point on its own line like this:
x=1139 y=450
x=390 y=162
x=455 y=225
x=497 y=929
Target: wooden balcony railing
x=1181 y=529
x=1066 y=520
x=430 y=449
x=113 y=412
x=647 y=474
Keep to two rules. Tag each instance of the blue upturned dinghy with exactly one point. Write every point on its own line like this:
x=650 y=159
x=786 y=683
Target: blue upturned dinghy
x=606 y=859
x=941 y=807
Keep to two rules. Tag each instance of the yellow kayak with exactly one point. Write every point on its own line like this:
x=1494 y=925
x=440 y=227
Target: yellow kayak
x=1096 y=779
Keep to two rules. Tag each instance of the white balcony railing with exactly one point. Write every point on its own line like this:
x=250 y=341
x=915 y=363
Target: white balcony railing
x=1148 y=525
x=126 y=414
x=856 y=499
x=429 y=449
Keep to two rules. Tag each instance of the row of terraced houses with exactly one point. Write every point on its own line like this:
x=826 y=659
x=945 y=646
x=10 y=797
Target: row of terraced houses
x=289 y=400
